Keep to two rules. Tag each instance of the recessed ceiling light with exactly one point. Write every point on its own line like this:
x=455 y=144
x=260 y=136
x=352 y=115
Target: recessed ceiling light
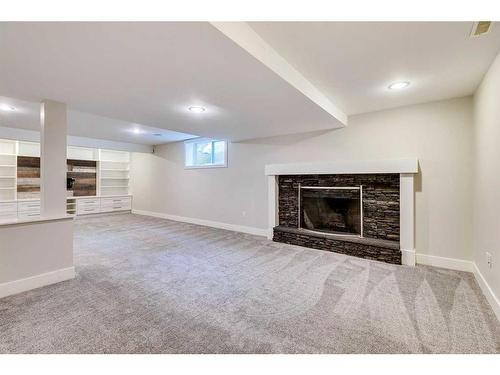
x=137 y=131
x=398 y=85
x=197 y=109
x=7 y=108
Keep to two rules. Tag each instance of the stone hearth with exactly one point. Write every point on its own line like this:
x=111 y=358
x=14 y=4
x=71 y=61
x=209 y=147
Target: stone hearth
x=362 y=247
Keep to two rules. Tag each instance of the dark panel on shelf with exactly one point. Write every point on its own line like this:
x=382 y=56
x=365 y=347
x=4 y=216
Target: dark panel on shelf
x=85 y=181
x=28 y=174
x=82 y=163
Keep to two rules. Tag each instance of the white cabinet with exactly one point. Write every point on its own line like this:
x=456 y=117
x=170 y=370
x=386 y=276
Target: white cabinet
x=116 y=204
x=87 y=206
x=29 y=149
x=8 y=211
x=28 y=209
x=82 y=153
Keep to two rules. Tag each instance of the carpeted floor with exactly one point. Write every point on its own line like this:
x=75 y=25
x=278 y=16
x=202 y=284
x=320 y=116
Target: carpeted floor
x=147 y=285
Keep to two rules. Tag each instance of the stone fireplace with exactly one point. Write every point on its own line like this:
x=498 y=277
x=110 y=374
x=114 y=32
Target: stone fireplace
x=363 y=209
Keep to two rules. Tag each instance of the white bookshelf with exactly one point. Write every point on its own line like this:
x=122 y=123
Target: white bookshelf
x=8 y=170
x=114 y=168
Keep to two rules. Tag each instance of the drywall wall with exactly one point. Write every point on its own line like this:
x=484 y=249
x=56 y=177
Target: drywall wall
x=486 y=229
x=437 y=133
x=35 y=253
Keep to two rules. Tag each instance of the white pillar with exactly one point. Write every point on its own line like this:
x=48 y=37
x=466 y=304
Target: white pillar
x=407 y=218
x=272 y=195
x=53 y=158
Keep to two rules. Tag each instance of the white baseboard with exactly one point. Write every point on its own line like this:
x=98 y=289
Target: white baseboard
x=443 y=262
x=408 y=257
x=487 y=291
x=37 y=281
x=206 y=223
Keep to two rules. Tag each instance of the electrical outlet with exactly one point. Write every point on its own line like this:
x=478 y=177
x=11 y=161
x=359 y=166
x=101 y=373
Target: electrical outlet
x=489 y=260
x=243 y=213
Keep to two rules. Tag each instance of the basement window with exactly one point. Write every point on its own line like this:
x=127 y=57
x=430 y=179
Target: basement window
x=205 y=153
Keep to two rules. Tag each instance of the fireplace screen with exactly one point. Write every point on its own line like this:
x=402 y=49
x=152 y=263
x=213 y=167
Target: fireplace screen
x=337 y=210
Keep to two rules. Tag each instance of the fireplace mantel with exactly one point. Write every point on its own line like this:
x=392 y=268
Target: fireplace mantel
x=406 y=168
x=345 y=167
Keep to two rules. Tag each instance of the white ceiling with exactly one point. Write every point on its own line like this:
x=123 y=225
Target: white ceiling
x=354 y=62
x=149 y=73
x=27 y=116
x=116 y=77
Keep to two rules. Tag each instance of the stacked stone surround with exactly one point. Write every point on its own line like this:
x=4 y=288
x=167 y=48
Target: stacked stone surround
x=380 y=215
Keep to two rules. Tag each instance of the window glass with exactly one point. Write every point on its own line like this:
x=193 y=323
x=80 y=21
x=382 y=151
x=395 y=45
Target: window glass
x=202 y=153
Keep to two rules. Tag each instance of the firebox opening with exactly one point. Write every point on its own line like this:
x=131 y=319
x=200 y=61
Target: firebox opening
x=336 y=210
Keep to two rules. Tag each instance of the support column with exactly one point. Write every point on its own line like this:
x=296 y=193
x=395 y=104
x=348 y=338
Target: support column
x=53 y=134
x=272 y=196
x=407 y=218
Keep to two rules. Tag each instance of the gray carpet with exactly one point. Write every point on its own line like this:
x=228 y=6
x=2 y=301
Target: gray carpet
x=147 y=285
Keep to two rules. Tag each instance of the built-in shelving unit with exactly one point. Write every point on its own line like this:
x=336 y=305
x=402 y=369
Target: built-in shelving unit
x=8 y=169
x=101 y=180
x=114 y=172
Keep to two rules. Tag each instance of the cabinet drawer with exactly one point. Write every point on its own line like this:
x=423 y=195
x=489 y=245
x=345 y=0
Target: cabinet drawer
x=28 y=215
x=8 y=208
x=115 y=200
x=87 y=203
x=85 y=210
x=116 y=207
x=30 y=206
x=8 y=216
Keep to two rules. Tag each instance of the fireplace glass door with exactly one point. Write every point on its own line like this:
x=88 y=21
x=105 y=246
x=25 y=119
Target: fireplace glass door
x=336 y=210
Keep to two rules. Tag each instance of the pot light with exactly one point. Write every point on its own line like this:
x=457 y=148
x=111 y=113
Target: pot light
x=197 y=109
x=398 y=85
x=7 y=108
x=137 y=131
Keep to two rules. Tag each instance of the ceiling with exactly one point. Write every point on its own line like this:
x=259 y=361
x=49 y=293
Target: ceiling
x=272 y=78
x=150 y=73
x=354 y=62
x=27 y=116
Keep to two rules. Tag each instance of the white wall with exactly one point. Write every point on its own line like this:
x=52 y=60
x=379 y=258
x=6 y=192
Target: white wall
x=486 y=235
x=34 y=254
x=437 y=133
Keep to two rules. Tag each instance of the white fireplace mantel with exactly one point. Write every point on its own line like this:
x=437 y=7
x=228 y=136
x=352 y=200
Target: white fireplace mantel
x=406 y=168
x=345 y=167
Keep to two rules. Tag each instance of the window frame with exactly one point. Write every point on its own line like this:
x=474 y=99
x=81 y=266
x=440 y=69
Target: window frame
x=196 y=141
